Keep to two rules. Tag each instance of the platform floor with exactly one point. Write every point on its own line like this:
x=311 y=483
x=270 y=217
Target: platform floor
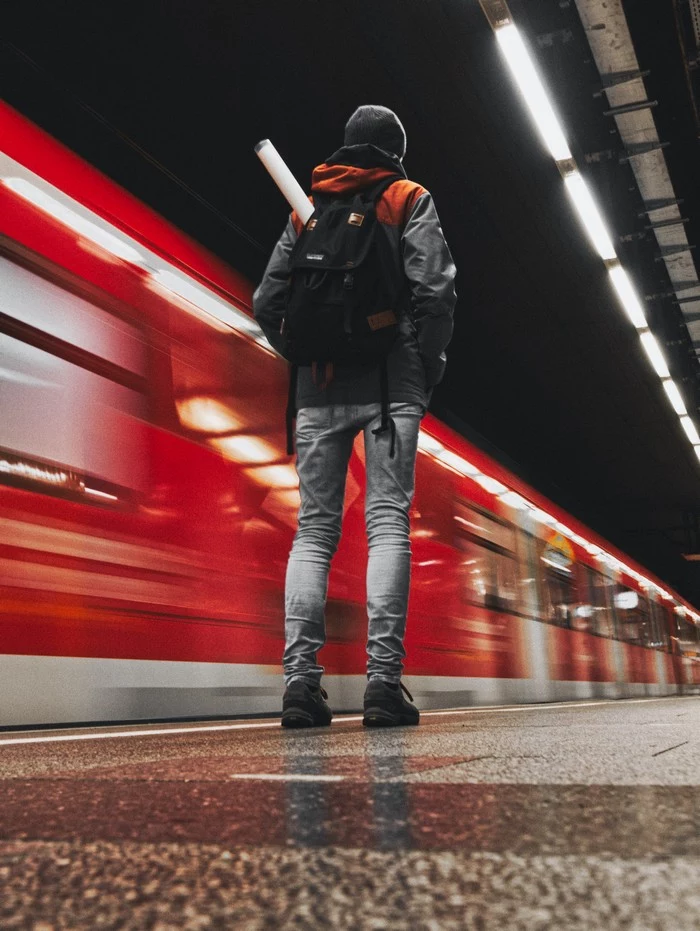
x=535 y=817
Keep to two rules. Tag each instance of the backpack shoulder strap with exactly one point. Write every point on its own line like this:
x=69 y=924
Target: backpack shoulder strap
x=374 y=193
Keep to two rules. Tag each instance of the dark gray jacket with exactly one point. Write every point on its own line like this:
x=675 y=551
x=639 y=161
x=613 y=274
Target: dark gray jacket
x=407 y=215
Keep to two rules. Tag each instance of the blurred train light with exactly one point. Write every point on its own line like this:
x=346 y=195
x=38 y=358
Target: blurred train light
x=276 y=476
x=428 y=444
x=627 y=295
x=555 y=565
x=542 y=517
x=691 y=430
x=20 y=469
x=674 y=396
x=204 y=300
x=563 y=529
x=514 y=500
x=627 y=601
x=697 y=451
x=656 y=357
x=590 y=215
x=527 y=79
x=453 y=461
x=245 y=449
x=492 y=485
x=100 y=494
x=79 y=224
x=207 y=415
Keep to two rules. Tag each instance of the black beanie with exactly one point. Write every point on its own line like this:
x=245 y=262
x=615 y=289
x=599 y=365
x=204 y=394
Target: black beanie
x=378 y=126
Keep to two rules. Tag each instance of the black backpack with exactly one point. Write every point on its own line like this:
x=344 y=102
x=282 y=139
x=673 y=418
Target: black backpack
x=344 y=297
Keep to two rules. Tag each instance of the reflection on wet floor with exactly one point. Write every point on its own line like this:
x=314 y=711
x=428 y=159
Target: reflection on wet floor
x=514 y=802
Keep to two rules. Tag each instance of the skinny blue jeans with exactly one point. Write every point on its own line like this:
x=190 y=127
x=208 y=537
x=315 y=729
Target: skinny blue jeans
x=324 y=439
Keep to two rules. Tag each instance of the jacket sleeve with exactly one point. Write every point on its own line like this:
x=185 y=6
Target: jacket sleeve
x=431 y=273
x=268 y=300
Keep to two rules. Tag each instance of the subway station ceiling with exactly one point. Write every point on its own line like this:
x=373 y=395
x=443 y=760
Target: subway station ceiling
x=169 y=100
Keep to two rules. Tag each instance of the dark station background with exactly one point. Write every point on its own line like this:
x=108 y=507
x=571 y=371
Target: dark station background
x=169 y=98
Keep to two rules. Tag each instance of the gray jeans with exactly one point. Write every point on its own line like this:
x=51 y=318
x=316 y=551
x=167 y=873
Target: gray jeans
x=324 y=439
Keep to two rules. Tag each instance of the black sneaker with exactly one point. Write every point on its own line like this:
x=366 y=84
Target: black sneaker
x=385 y=706
x=304 y=706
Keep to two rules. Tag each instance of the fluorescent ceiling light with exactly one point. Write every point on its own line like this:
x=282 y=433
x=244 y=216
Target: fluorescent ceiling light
x=245 y=449
x=691 y=430
x=674 y=396
x=523 y=70
x=590 y=215
x=656 y=357
x=629 y=299
x=75 y=221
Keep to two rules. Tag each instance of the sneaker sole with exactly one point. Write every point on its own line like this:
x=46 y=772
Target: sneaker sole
x=298 y=718
x=378 y=717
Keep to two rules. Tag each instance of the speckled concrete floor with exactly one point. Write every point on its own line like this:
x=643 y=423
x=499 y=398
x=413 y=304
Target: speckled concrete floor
x=566 y=817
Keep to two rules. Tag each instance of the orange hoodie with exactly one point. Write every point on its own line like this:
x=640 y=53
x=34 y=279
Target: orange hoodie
x=340 y=180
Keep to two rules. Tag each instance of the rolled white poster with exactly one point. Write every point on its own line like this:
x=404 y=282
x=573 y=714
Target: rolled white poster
x=284 y=179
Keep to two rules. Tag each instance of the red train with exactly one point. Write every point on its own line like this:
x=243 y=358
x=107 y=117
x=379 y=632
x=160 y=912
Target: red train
x=147 y=506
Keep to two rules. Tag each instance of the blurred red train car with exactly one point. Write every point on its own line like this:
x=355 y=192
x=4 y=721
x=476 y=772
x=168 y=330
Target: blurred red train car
x=147 y=506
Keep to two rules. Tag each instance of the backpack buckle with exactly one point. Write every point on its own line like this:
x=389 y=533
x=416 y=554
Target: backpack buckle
x=348 y=281
x=356 y=219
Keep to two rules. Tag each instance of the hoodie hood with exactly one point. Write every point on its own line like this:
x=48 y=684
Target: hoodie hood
x=354 y=168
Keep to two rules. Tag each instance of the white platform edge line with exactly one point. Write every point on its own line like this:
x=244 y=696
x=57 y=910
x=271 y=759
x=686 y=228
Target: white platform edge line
x=341 y=719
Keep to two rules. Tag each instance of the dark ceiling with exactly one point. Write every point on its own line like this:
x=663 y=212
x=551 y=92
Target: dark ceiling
x=169 y=98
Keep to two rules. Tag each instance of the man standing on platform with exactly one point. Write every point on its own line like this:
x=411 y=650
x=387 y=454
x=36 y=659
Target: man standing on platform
x=333 y=409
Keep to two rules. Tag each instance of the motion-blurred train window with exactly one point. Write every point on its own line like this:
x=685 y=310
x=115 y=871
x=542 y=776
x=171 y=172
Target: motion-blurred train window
x=557 y=584
x=659 y=626
x=72 y=387
x=489 y=564
x=600 y=595
x=686 y=636
x=632 y=610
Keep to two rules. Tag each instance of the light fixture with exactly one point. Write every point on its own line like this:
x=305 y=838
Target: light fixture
x=590 y=215
x=656 y=357
x=523 y=70
x=75 y=221
x=674 y=396
x=691 y=430
x=627 y=295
